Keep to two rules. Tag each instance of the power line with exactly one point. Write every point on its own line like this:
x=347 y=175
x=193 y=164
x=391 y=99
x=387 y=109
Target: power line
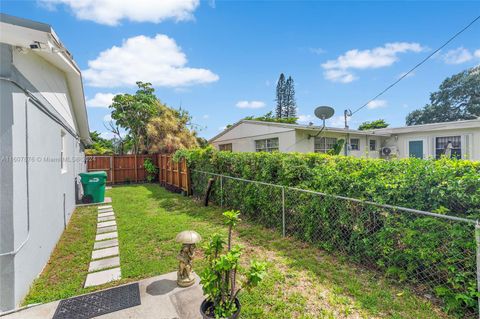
x=416 y=66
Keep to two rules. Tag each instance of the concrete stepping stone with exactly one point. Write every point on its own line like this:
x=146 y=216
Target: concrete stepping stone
x=106 y=218
x=106 y=224
x=108 y=229
x=102 y=277
x=106 y=214
x=106 y=236
x=108 y=210
x=105 y=243
x=104 y=206
x=104 y=263
x=105 y=252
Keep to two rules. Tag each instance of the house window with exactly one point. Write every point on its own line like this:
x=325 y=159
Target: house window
x=63 y=151
x=225 y=147
x=355 y=144
x=267 y=145
x=373 y=145
x=441 y=144
x=324 y=144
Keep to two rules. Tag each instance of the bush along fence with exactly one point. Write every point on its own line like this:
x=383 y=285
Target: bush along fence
x=412 y=220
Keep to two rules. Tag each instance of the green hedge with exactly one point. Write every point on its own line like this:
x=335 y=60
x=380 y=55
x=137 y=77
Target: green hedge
x=431 y=253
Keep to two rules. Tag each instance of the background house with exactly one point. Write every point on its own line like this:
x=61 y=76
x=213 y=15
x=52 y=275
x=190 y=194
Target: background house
x=43 y=129
x=422 y=141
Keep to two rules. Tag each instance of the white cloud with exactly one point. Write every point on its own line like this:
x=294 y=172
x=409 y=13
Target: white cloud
x=305 y=119
x=250 y=104
x=375 y=104
x=107 y=118
x=205 y=116
x=222 y=128
x=107 y=135
x=457 y=56
x=111 y=12
x=341 y=76
x=408 y=76
x=101 y=100
x=158 y=60
x=339 y=122
x=340 y=69
x=477 y=53
x=317 y=51
x=336 y=121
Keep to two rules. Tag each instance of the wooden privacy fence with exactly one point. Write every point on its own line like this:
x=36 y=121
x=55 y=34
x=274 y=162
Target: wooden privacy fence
x=121 y=168
x=173 y=175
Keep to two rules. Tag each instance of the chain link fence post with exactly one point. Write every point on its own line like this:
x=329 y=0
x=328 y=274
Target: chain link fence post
x=221 y=191
x=477 y=240
x=283 y=211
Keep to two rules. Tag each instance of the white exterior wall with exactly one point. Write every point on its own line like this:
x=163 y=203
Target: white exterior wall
x=295 y=138
x=470 y=142
x=47 y=191
x=244 y=135
x=49 y=81
x=51 y=192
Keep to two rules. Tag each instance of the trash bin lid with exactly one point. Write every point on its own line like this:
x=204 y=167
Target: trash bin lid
x=94 y=174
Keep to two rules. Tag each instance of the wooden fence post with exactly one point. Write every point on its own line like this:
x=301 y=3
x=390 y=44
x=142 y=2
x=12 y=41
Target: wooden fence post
x=112 y=174
x=136 y=169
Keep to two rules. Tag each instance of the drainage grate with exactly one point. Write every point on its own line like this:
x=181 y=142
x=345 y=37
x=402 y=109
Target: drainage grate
x=99 y=303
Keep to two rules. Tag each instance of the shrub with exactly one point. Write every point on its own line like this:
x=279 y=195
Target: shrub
x=151 y=170
x=219 y=279
x=431 y=253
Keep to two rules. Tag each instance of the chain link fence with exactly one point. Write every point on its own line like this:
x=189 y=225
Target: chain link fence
x=435 y=255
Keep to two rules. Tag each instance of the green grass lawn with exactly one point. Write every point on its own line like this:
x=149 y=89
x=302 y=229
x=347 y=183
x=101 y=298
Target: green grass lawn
x=303 y=282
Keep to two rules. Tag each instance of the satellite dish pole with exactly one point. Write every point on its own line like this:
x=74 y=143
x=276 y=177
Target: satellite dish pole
x=323 y=113
x=347 y=113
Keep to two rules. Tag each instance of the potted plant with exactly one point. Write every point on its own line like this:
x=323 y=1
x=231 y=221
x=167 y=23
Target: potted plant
x=219 y=279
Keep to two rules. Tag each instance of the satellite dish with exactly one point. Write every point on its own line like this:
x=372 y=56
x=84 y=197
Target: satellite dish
x=324 y=112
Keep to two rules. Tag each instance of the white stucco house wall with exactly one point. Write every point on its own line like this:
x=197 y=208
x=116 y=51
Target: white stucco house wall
x=422 y=141
x=43 y=131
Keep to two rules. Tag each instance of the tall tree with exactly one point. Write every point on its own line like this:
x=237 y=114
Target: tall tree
x=373 y=125
x=169 y=131
x=100 y=145
x=133 y=112
x=290 y=105
x=280 y=94
x=458 y=98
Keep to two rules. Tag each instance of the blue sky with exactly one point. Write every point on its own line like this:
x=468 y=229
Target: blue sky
x=220 y=60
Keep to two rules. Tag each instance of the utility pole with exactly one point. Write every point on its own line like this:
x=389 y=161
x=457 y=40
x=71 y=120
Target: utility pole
x=346 y=114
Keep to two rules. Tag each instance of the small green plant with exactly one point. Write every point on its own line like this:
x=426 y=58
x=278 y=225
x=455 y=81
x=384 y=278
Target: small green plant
x=151 y=169
x=219 y=279
x=337 y=148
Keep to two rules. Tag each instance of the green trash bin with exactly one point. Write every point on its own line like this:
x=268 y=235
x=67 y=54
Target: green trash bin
x=94 y=186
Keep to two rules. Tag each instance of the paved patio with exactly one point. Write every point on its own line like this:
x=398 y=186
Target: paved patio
x=160 y=297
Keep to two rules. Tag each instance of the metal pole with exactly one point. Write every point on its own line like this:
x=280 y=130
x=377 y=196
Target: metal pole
x=477 y=240
x=283 y=211
x=221 y=191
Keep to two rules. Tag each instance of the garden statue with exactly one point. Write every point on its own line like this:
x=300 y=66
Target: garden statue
x=188 y=239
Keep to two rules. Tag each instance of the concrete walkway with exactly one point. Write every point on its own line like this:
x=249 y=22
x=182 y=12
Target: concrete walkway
x=105 y=264
x=160 y=299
